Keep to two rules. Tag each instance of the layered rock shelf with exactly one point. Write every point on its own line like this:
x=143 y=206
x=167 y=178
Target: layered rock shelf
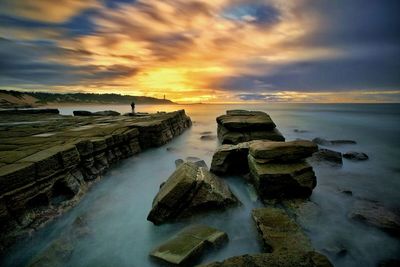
x=47 y=161
x=239 y=126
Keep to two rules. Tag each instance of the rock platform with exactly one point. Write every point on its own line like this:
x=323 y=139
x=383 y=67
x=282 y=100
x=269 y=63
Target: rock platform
x=47 y=161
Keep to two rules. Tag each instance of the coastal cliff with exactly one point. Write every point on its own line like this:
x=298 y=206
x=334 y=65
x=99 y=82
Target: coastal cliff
x=48 y=161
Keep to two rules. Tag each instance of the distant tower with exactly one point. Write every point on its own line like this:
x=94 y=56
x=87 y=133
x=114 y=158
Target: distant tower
x=164 y=97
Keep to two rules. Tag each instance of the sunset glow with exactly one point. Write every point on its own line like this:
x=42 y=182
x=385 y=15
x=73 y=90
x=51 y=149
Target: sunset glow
x=205 y=51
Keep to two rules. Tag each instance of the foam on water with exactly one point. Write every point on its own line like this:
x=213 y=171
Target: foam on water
x=117 y=206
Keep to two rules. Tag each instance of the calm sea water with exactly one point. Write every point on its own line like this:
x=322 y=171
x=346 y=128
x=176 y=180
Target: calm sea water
x=118 y=205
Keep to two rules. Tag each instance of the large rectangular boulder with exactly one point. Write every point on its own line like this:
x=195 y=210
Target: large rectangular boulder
x=282 y=180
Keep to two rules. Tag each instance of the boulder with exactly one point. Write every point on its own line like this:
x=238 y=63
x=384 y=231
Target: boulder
x=248 y=120
x=107 y=113
x=279 y=232
x=267 y=151
x=188 y=191
x=82 y=113
x=231 y=159
x=239 y=126
x=189 y=244
x=375 y=214
x=328 y=156
x=282 y=180
x=356 y=156
x=307 y=259
x=324 y=142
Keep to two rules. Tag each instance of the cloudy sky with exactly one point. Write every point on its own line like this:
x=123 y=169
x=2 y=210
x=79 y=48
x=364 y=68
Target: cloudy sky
x=205 y=51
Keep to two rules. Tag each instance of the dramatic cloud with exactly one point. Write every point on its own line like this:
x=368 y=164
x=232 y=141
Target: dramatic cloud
x=217 y=51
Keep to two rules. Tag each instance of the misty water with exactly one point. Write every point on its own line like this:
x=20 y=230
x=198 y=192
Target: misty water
x=117 y=205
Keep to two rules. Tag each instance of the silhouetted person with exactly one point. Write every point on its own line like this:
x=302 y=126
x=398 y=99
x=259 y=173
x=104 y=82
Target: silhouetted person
x=133 y=107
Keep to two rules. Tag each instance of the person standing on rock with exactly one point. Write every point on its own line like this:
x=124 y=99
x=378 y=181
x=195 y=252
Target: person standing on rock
x=133 y=107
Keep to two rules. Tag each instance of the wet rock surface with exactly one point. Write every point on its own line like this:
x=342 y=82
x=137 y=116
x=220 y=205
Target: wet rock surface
x=40 y=177
x=356 y=156
x=239 y=126
x=324 y=142
x=324 y=155
x=188 y=191
x=189 y=244
x=308 y=259
x=377 y=215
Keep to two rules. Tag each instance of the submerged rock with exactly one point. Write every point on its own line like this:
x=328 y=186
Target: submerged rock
x=324 y=142
x=189 y=244
x=188 y=191
x=282 y=180
x=375 y=214
x=356 y=156
x=208 y=137
x=328 y=156
x=82 y=113
x=107 y=113
x=239 y=126
x=267 y=151
x=307 y=259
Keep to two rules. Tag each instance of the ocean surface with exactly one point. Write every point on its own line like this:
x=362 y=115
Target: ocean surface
x=119 y=203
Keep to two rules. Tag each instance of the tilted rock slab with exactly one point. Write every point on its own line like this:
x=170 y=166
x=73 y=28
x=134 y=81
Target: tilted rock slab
x=189 y=244
x=239 y=126
x=190 y=190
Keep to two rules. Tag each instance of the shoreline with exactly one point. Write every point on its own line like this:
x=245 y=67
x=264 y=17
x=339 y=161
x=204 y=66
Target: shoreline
x=52 y=177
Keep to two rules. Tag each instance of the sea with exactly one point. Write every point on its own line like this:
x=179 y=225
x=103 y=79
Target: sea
x=119 y=203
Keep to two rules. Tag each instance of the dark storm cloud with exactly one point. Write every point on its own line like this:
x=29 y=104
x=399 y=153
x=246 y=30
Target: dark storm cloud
x=22 y=63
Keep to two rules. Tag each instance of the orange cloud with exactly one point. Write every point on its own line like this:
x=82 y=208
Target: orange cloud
x=52 y=11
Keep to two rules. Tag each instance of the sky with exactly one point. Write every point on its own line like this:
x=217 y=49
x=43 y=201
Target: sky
x=210 y=51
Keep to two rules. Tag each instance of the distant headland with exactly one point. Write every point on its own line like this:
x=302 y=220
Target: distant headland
x=16 y=99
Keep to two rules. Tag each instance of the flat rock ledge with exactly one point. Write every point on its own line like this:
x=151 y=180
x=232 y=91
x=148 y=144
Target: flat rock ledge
x=189 y=244
x=284 y=241
x=190 y=190
x=239 y=126
x=47 y=161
